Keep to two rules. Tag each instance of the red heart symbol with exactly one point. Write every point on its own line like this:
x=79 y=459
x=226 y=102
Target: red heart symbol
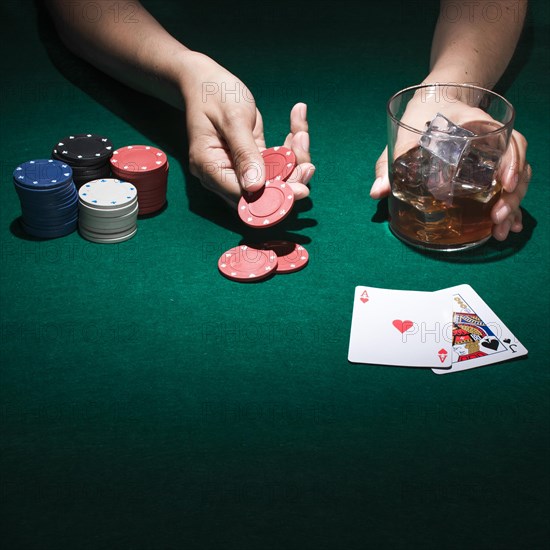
x=364 y=300
x=402 y=326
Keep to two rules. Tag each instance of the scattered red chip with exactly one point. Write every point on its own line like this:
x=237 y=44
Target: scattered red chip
x=279 y=161
x=268 y=206
x=291 y=257
x=244 y=263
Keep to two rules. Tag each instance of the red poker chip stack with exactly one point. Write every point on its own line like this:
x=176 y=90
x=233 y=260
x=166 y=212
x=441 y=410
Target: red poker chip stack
x=265 y=208
x=147 y=168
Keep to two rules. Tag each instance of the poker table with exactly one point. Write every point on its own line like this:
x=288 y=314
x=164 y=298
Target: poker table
x=150 y=403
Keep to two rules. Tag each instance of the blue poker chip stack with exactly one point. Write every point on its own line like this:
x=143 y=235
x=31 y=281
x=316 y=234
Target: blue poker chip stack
x=48 y=196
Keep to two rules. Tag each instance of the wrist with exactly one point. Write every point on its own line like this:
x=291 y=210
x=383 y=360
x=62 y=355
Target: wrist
x=457 y=74
x=191 y=73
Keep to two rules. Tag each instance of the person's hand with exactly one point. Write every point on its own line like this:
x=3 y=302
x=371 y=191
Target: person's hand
x=226 y=135
x=514 y=171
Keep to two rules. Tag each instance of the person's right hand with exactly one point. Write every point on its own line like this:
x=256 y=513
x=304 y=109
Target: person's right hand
x=225 y=131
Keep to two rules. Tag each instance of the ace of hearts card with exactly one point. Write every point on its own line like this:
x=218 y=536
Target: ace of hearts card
x=400 y=328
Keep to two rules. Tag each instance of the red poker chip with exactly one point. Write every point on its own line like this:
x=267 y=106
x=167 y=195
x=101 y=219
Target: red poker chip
x=244 y=263
x=279 y=161
x=138 y=159
x=150 y=192
x=142 y=182
x=142 y=193
x=145 y=180
x=147 y=168
x=150 y=199
x=151 y=202
x=268 y=206
x=144 y=177
x=291 y=257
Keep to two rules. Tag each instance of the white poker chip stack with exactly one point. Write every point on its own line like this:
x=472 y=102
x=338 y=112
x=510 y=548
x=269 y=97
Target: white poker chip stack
x=108 y=210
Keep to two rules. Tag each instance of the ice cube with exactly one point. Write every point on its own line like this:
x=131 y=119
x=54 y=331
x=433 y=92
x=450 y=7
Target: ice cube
x=445 y=140
x=476 y=172
x=438 y=177
x=441 y=123
x=408 y=170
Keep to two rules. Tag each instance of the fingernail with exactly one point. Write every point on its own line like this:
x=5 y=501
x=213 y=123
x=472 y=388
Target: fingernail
x=377 y=185
x=250 y=177
x=303 y=111
x=503 y=213
x=304 y=141
x=309 y=175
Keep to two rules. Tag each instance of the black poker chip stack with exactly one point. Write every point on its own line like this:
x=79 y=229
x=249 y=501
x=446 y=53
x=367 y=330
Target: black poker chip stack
x=87 y=154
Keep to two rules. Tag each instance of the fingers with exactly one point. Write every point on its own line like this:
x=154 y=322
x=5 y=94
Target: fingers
x=517 y=225
x=508 y=204
x=299 y=179
x=302 y=173
x=513 y=162
x=298 y=141
x=230 y=162
x=247 y=160
x=500 y=231
x=259 y=130
x=298 y=138
x=511 y=223
x=507 y=214
x=381 y=186
x=300 y=190
x=300 y=145
x=298 y=118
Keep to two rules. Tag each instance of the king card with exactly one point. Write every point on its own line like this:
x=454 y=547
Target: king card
x=479 y=337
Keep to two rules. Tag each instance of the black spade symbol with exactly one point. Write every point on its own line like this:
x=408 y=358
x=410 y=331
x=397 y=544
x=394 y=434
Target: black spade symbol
x=507 y=340
x=491 y=344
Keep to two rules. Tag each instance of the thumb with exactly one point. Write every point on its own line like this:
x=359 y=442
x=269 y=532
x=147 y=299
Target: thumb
x=247 y=160
x=381 y=186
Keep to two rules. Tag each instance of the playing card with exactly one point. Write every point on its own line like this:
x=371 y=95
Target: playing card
x=399 y=327
x=479 y=336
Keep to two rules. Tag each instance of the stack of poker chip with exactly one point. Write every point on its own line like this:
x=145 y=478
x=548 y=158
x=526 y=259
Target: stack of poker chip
x=48 y=196
x=147 y=168
x=108 y=211
x=87 y=154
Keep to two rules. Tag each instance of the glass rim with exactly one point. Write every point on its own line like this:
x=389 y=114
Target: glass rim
x=504 y=127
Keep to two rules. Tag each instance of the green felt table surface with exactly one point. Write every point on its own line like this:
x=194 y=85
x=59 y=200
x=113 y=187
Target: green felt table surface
x=149 y=403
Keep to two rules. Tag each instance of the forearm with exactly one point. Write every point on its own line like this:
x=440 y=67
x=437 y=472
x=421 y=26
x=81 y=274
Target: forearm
x=134 y=49
x=474 y=40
